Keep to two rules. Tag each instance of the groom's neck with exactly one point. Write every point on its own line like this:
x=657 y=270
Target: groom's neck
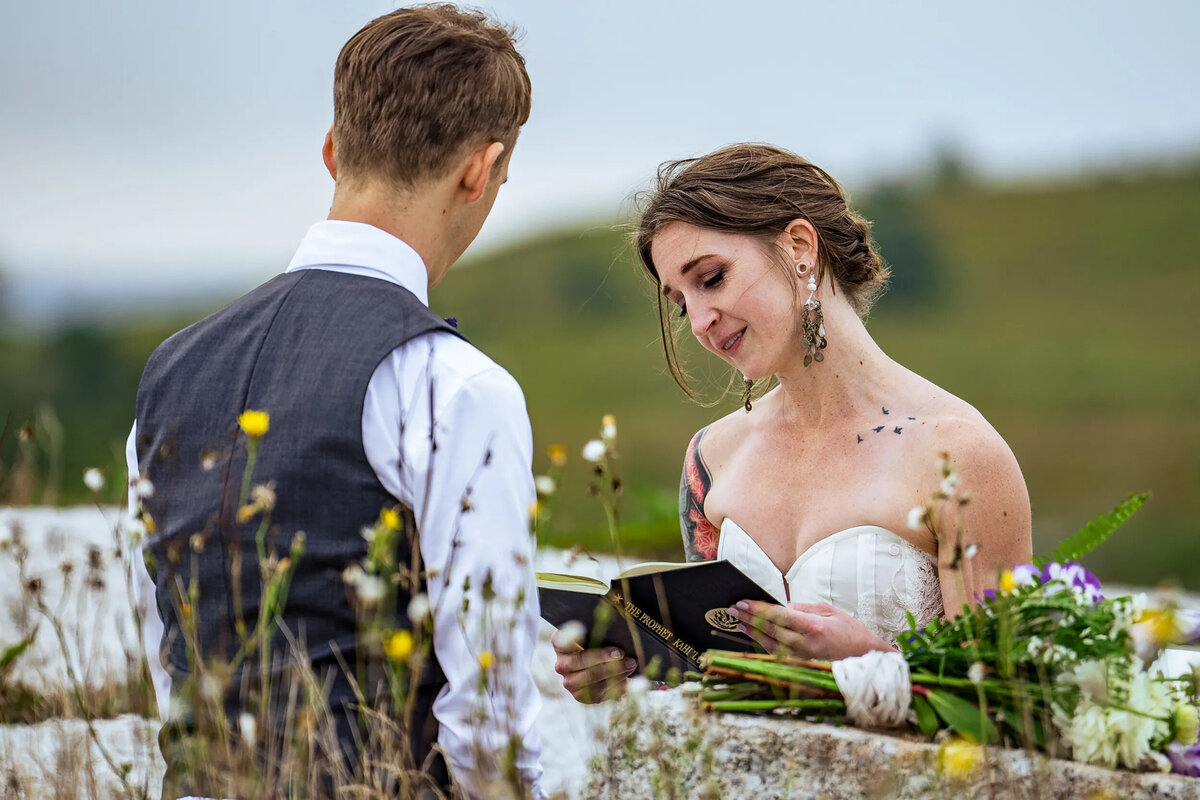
x=423 y=218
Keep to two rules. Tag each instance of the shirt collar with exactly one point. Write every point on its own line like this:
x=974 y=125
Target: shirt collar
x=360 y=249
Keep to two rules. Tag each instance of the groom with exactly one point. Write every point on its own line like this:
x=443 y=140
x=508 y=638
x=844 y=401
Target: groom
x=374 y=403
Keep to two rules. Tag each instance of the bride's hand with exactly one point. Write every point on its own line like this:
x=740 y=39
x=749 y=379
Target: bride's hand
x=807 y=630
x=592 y=675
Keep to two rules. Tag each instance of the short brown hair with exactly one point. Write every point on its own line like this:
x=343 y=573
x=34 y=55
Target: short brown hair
x=758 y=189
x=415 y=87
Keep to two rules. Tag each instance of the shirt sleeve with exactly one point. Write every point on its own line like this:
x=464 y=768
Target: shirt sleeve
x=143 y=591
x=459 y=452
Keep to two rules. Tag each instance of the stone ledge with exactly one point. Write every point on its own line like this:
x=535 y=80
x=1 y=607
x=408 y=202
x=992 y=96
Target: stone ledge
x=661 y=746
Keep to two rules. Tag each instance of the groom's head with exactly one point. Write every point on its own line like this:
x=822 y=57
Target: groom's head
x=417 y=89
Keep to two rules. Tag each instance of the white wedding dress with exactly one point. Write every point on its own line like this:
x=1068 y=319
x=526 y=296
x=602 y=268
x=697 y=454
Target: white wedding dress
x=866 y=571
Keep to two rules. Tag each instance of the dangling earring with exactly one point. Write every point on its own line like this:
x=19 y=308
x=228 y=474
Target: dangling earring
x=813 y=324
x=749 y=387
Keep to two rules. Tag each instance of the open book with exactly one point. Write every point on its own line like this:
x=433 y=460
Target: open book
x=664 y=611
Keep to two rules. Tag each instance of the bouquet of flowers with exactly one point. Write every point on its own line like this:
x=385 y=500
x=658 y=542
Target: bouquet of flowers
x=1045 y=662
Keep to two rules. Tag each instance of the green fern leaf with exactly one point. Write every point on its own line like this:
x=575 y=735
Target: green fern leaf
x=1094 y=533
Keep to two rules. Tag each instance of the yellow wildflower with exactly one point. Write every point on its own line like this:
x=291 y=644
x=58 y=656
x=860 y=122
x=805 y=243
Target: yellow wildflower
x=558 y=455
x=186 y=610
x=390 y=519
x=960 y=758
x=1160 y=623
x=1007 y=582
x=149 y=520
x=535 y=509
x=246 y=513
x=486 y=659
x=254 y=423
x=399 y=646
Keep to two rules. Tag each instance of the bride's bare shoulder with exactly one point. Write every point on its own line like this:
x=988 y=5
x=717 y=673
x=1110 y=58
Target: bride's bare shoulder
x=718 y=442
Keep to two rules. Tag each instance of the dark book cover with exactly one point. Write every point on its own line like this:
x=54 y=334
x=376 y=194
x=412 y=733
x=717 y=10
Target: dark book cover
x=668 y=612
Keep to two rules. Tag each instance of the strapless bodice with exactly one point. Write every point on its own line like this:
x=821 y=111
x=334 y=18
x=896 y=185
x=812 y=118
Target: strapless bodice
x=866 y=571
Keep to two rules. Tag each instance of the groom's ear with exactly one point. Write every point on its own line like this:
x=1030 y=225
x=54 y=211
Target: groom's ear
x=477 y=169
x=328 y=155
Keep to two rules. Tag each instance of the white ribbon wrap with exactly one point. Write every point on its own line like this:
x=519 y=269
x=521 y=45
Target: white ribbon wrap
x=876 y=687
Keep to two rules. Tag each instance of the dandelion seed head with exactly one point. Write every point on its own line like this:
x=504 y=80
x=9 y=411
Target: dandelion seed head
x=594 y=451
x=263 y=496
x=544 y=485
x=144 y=488
x=93 y=479
x=370 y=590
x=248 y=728
x=418 y=608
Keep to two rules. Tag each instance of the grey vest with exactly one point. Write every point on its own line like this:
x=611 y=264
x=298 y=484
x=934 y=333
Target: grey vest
x=301 y=347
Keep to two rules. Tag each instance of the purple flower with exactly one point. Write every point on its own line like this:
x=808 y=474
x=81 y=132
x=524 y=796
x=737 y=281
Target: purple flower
x=1057 y=577
x=1185 y=758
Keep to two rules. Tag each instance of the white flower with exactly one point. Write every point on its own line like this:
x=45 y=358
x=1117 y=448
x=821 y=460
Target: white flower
x=210 y=687
x=544 y=485
x=367 y=532
x=144 y=488
x=1092 y=679
x=248 y=728
x=571 y=633
x=1100 y=734
x=208 y=461
x=418 y=608
x=353 y=575
x=976 y=672
x=1026 y=575
x=594 y=451
x=135 y=529
x=6 y=537
x=1127 y=610
x=608 y=429
x=370 y=590
x=94 y=479
x=916 y=518
x=638 y=685
x=949 y=484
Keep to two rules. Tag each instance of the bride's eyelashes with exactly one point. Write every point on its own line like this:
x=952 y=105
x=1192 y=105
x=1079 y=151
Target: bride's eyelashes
x=711 y=282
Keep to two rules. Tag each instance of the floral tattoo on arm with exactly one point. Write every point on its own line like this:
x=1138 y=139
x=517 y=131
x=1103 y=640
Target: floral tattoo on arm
x=700 y=536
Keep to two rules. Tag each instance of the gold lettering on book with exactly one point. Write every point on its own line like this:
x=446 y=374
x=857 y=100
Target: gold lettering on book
x=658 y=628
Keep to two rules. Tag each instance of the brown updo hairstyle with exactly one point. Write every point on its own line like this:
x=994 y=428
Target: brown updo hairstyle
x=757 y=189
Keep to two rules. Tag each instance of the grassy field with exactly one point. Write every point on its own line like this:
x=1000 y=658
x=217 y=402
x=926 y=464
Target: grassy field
x=1065 y=313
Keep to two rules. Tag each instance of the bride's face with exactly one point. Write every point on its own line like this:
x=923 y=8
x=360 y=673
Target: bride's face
x=739 y=302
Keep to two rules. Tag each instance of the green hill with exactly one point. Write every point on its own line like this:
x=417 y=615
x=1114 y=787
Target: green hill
x=1065 y=313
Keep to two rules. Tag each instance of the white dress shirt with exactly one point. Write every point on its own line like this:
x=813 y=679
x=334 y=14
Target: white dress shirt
x=484 y=452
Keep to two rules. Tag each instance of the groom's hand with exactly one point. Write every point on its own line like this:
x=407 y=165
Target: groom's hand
x=592 y=676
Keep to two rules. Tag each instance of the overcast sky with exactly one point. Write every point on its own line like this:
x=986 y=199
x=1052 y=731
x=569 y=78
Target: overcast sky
x=161 y=144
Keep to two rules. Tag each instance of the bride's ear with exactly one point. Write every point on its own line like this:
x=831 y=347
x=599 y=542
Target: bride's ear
x=800 y=241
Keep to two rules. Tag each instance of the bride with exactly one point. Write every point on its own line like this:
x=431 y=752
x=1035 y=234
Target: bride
x=813 y=488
